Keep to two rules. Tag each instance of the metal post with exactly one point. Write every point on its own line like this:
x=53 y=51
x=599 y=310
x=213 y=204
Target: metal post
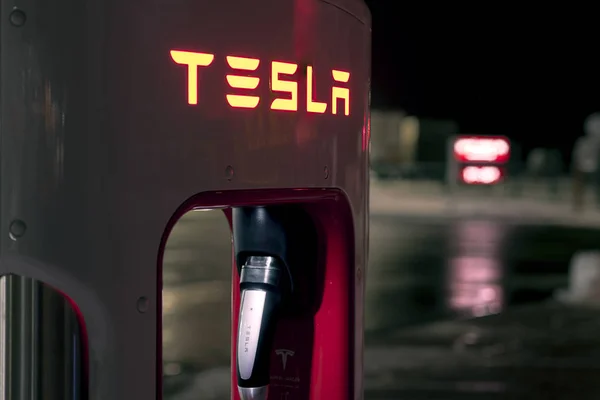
x=40 y=343
x=452 y=169
x=578 y=189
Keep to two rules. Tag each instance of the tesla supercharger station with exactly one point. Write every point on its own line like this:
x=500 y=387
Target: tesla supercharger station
x=120 y=116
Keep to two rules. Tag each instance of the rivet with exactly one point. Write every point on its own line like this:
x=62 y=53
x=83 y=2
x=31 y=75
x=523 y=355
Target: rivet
x=229 y=172
x=142 y=304
x=17 y=229
x=17 y=17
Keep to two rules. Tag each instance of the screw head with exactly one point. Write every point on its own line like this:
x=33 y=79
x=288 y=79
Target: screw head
x=229 y=172
x=17 y=18
x=17 y=229
x=142 y=304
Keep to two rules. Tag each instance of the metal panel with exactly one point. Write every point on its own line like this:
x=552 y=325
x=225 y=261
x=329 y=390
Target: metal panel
x=99 y=146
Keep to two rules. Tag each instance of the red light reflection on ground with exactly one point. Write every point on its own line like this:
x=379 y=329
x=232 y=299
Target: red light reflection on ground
x=474 y=286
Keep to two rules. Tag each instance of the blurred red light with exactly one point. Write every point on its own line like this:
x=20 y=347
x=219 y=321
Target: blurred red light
x=487 y=175
x=482 y=149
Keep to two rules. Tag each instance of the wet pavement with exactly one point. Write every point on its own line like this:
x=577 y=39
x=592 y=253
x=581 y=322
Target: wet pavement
x=456 y=308
x=542 y=351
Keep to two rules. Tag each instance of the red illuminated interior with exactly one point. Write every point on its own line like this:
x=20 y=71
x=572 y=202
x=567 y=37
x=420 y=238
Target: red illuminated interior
x=323 y=340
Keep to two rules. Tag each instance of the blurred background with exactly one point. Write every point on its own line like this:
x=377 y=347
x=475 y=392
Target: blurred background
x=483 y=279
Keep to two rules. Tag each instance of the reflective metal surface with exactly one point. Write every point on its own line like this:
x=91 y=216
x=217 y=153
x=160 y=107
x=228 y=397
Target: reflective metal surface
x=261 y=270
x=100 y=149
x=41 y=344
x=260 y=393
x=20 y=344
x=251 y=315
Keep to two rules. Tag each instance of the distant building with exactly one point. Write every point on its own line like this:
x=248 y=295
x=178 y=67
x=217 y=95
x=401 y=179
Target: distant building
x=409 y=146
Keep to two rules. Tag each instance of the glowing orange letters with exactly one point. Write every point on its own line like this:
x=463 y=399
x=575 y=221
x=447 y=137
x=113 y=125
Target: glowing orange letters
x=313 y=106
x=243 y=82
x=282 y=82
x=193 y=61
x=340 y=93
x=278 y=85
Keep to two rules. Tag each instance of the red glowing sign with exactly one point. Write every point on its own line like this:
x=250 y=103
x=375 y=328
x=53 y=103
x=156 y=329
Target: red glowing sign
x=481 y=175
x=281 y=81
x=482 y=149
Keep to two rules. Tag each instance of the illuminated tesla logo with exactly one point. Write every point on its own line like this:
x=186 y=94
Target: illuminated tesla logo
x=284 y=353
x=281 y=80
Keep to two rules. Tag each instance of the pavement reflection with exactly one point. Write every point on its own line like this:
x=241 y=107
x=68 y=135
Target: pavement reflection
x=475 y=276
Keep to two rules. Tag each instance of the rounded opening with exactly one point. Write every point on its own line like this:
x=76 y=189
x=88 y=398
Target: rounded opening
x=196 y=307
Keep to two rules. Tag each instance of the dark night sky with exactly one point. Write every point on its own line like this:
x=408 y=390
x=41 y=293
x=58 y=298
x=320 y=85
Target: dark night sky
x=531 y=74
